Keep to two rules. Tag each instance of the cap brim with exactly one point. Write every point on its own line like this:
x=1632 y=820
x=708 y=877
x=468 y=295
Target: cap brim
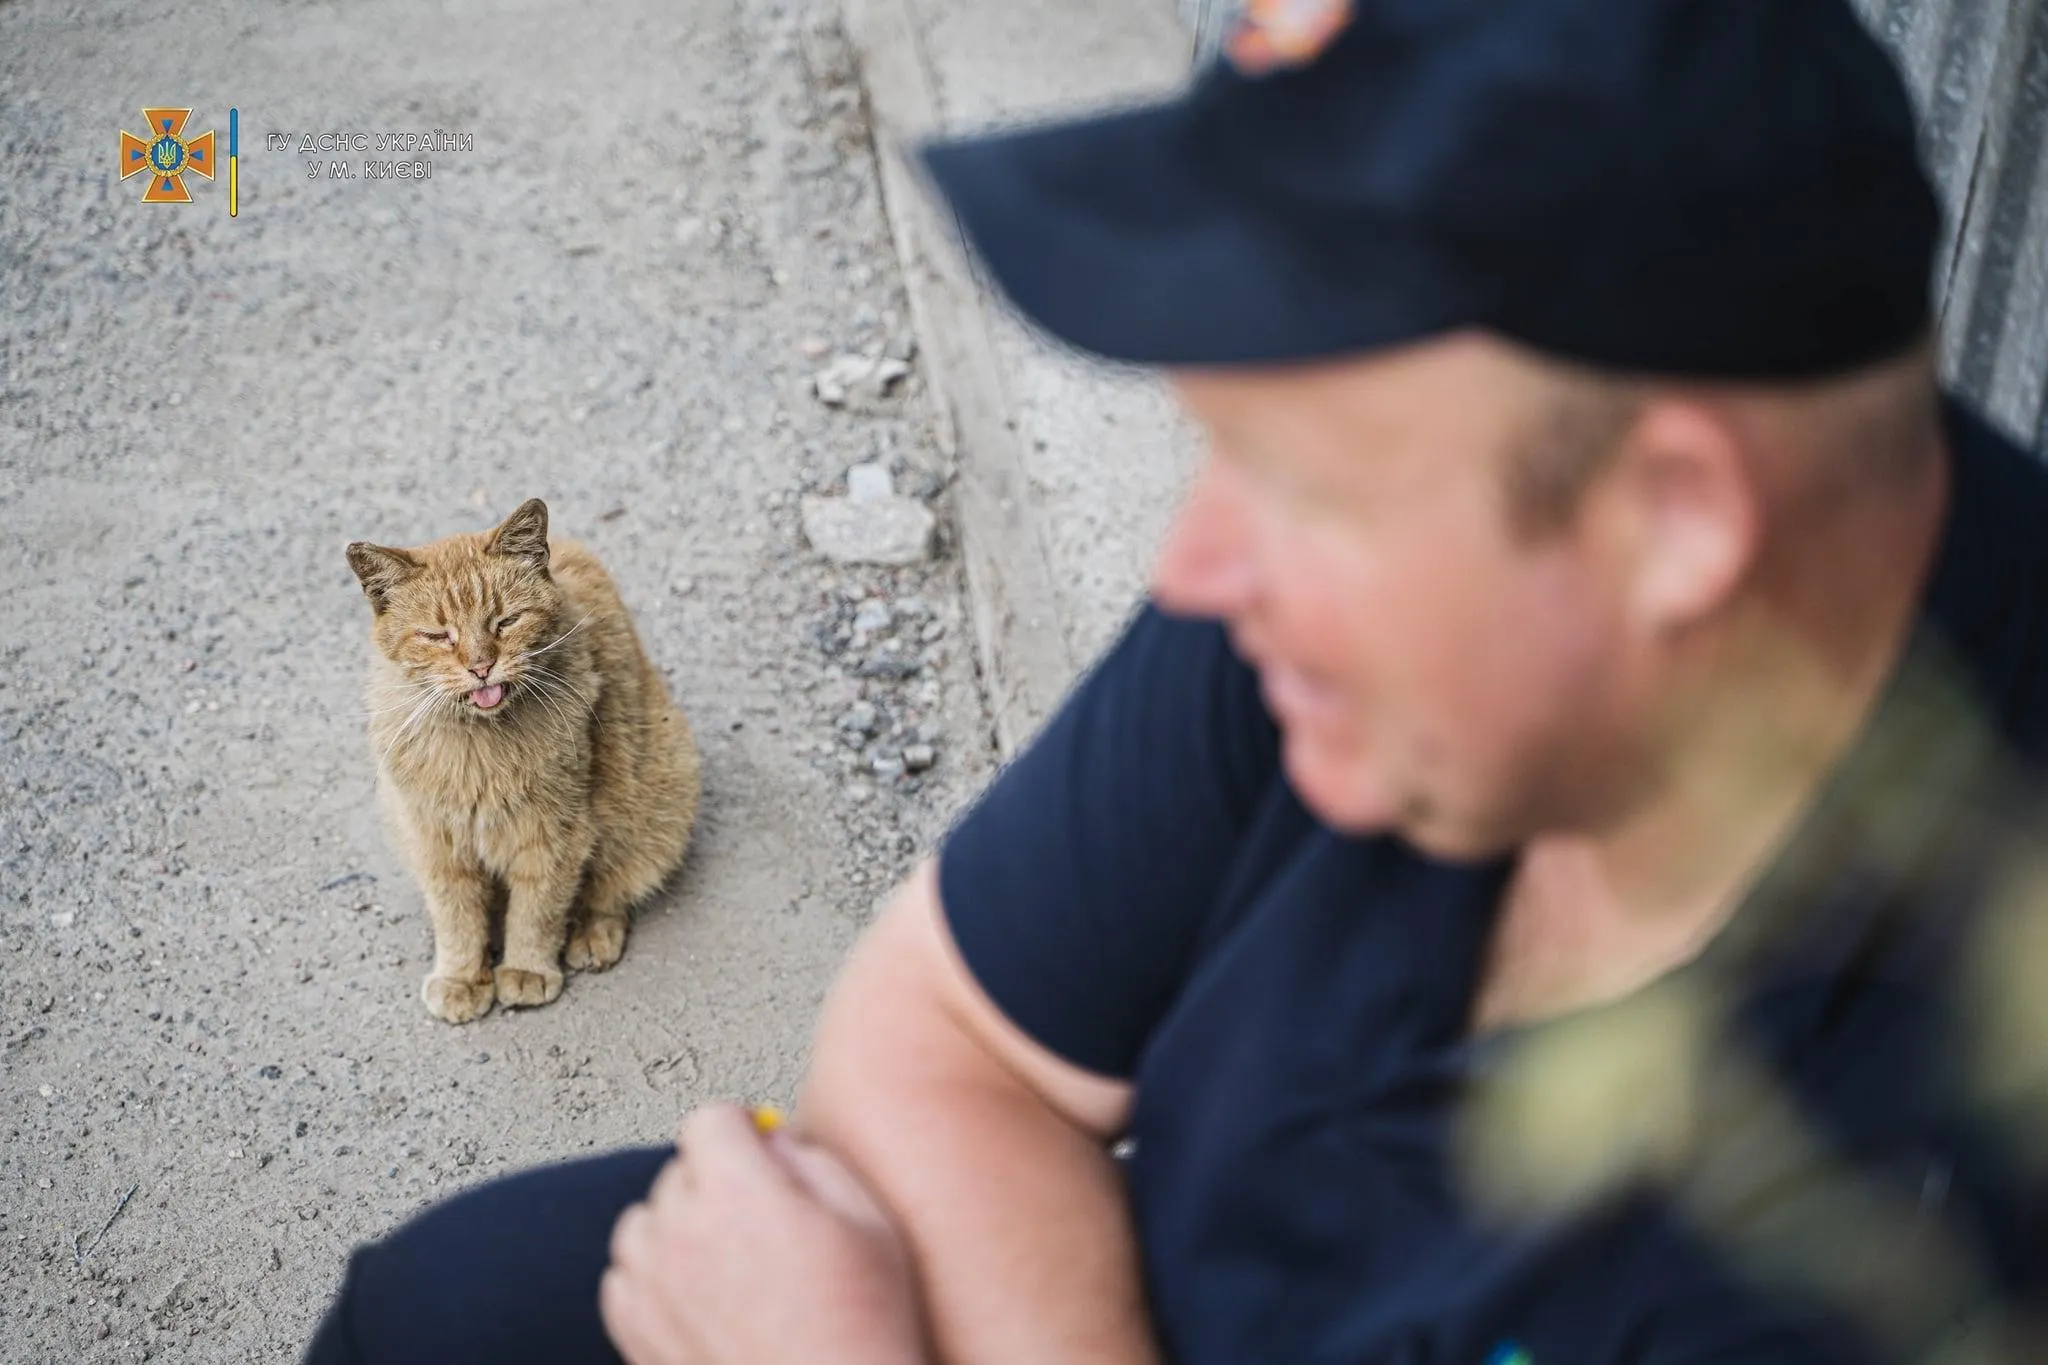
x=1118 y=236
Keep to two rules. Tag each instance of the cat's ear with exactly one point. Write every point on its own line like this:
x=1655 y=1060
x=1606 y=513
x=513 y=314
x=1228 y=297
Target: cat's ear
x=381 y=569
x=523 y=535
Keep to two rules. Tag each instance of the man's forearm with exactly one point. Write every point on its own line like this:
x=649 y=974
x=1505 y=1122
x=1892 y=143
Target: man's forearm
x=1016 y=1216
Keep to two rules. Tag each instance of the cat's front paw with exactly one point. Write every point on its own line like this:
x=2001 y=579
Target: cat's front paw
x=596 y=945
x=517 y=986
x=456 y=1000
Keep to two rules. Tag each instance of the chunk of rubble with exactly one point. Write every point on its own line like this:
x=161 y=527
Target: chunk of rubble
x=858 y=379
x=886 y=530
x=869 y=482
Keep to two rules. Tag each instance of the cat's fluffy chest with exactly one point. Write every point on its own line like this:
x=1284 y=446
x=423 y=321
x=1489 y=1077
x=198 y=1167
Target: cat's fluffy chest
x=484 y=785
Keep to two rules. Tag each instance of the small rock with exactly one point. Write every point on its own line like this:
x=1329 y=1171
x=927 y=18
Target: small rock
x=683 y=587
x=483 y=1056
x=814 y=347
x=861 y=718
x=913 y=607
x=932 y=630
x=869 y=482
x=45 y=1091
x=270 y=1073
x=864 y=378
x=918 y=757
x=887 y=664
x=922 y=484
x=902 y=346
x=886 y=531
x=872 y=616
x=886 y=766
x=62 y=921
x=858 y=792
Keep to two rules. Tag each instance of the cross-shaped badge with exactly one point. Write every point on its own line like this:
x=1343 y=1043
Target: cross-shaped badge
x=166 y=155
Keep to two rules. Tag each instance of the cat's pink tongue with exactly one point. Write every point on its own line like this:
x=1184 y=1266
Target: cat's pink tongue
x=487 y=697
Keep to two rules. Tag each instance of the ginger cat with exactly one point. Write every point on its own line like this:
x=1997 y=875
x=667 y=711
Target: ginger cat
x=525 y=748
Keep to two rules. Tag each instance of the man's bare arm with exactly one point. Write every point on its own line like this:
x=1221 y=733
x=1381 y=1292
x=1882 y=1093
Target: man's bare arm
x=990 y=1152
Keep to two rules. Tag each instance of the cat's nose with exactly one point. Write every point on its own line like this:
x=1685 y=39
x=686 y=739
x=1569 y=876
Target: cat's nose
x=483 y=670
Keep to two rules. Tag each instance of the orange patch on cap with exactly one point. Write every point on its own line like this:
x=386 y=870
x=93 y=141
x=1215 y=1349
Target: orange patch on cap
x=1271 y=34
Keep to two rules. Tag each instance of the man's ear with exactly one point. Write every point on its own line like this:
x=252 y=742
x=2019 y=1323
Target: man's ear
x=523 y=535
x=381 y=569
x=1694 y=511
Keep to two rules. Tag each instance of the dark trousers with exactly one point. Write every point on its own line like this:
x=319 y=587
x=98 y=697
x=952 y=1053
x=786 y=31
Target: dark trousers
x=506 y=1272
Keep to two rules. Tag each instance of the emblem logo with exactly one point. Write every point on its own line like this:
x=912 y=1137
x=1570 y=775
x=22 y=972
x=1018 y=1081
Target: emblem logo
x=166 y=155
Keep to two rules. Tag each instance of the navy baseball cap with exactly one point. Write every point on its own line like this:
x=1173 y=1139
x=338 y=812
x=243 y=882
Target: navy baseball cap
x=1714 y=188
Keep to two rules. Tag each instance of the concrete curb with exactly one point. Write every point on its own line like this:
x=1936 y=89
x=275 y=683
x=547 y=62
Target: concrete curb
x=1025 y=663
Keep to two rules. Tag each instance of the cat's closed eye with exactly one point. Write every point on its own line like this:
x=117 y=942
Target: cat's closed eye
x=506 y=624
x=437 y=636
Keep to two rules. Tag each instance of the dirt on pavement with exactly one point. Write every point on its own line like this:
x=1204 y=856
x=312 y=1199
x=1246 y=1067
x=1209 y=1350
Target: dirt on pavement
x=617 y=300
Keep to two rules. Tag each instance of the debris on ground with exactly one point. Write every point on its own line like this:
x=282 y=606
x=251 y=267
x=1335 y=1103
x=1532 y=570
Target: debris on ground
x=858 y=380
x=885 y=530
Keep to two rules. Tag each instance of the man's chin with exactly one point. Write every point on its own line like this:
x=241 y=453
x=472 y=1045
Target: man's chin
x=1338 y=789
x=1351 y=796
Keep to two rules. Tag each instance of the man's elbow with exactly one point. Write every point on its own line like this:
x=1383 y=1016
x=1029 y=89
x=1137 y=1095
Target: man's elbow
x=906 y=1030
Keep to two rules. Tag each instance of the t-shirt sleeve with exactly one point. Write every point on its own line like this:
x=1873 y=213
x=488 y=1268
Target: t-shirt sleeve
x=1077 y=885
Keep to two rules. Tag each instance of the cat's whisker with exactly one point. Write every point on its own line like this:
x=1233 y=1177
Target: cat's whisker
x=419 y=713
x=535 y=653
x=405 y=691
x=551 y=692
x=554 y=708
x=403 y=703
x=542 y=671
x=547 y=676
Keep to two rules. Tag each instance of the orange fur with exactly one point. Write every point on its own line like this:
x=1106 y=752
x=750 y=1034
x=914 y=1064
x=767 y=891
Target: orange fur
x=572 y=798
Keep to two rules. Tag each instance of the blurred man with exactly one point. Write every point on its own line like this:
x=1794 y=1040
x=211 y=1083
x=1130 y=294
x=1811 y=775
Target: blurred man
x=1542 y=880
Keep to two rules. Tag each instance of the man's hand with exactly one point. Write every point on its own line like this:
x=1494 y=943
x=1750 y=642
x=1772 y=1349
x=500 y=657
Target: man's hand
x=758 y=1250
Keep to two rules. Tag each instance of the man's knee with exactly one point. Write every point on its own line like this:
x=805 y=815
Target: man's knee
x=506 y=1271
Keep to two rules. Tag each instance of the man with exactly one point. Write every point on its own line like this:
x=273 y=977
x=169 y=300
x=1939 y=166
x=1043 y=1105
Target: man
x=1545 y=879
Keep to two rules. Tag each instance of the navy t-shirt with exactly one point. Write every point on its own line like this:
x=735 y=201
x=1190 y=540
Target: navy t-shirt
x=1142 y=893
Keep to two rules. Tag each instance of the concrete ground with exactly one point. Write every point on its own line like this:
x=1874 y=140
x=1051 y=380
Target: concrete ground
x=209 y=957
